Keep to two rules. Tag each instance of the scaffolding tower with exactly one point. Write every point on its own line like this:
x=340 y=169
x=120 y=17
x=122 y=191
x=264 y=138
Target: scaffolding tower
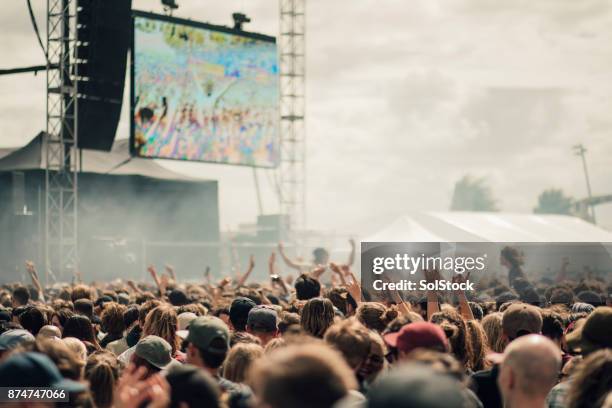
x=292 y=174
x=61 y=156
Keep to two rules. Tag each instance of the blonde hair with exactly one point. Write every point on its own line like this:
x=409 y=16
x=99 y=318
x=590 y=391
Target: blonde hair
x=492 y=326
x=162 y=322
x=375 y=316
x=77 y=347
x=239 y=360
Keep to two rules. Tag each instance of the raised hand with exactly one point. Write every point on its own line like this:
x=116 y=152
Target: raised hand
x=318 y=271
x=431 y=275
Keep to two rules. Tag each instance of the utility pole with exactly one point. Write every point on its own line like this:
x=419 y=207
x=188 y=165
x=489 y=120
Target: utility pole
x=580 y=150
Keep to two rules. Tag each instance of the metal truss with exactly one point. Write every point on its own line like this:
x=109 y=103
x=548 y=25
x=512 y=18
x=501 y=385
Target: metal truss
x=292 y=169
x=61 y=157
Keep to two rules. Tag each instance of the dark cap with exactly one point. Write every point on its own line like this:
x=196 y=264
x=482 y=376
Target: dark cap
x=418 y=335
x=13 y=338
x=193 y=386
x=5 y=316
x=262 y=319
x=35 y=370
x=520 y=319
x=416 y=385
x=590 y=297
x=592 y=333
x=205 y=329
x=155 y=350
x=239 y=311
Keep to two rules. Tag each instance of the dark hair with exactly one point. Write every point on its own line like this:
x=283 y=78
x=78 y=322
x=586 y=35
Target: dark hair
x=32 y=319
x=130 y=315
x=112 y=318
x=319 y=254
x=62 y=315
x=307 y=287
x=84 y=307
x=22 y=295
x=476 y=310
x=80 y=326
x=552 y=325
x=214 y=359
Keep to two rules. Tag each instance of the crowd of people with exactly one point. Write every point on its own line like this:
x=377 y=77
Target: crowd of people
x=309 y=341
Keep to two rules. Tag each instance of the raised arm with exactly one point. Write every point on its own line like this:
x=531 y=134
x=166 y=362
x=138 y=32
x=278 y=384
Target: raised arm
x=35 y=280
x=464 y=306
x=432 y=296
x=245 y=276
x=291 y=263
x=351 y=258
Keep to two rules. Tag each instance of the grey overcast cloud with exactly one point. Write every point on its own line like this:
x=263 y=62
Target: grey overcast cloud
x=403 y=99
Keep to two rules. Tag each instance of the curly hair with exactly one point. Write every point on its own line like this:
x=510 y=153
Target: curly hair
x=458 y=336
x=112 y=318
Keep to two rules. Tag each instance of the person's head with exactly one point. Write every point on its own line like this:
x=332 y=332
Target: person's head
x=552 y=326
x=592 y=380
x=69 y=364
x=262 y=322
x=239 y=312
x=49 y=332
x=320 y=256
x=529 y=370
x=192 y=387
x=32 y=319
x=416 y=385
x=102 y=372
x=208 y=343
x=59 y=317
x=21 y=296
x=352 y=339
x=317 y=316
x=511 y=257
x=81 y=292
x=112 y=318
x=492 y=325
x=342 y=300
x=301 y=377
x=130 y=317
x=287 y=320
x=144 y=310
x=35 y=370
x=375 y=316
x=307 y=287
x=443 y=363
x=456 y=332
x=425 y=335
x=162 y=322
x=178 y=297
x=80 y=327
x=478 y=343
x=375 y=362
x=239 y=360
x=153 y=353
x=593 y=333
x=77 y=347
x=84 y=307
x=13 y=338
x=520 y=319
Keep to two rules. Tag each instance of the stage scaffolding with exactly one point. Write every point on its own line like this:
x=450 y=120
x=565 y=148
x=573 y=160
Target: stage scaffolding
x=61 y=155
x=292 y=172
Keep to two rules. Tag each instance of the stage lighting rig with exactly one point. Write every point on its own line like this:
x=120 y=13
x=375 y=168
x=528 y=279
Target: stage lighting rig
x=239 y=20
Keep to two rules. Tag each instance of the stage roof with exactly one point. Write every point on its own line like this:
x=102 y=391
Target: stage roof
x=489 y=227
x=115 y=162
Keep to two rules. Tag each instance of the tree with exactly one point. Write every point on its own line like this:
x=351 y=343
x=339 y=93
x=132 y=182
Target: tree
x=472 y=195
x=553 y=201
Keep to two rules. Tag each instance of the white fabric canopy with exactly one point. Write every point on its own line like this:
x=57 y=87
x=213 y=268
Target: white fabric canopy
x=489 y=227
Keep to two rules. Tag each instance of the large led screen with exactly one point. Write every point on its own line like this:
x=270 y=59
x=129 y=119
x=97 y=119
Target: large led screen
x=203 y=93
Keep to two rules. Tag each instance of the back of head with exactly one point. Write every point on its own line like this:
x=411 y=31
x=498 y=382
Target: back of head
x=239 y=360
x=492 y=325
x=416 y=385
x=112 y=318
x=534 y=361
x=102 y=372
x=592 y=381
x=375 y=316
x=239 y=312
x=84 y=306
x=352 y=339
x=302 y=377
x=317 y=316
x=191 y=387
x=21 y=295
x=162 y=321
x=32 y=319
x=307 y=287
x=520 y=319
x=80 y=327
x=81 y=292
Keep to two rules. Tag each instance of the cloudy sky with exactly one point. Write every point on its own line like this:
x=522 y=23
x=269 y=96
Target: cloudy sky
x=405 y=98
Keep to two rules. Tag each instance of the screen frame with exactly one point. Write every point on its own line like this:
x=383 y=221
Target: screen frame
x=206 y=26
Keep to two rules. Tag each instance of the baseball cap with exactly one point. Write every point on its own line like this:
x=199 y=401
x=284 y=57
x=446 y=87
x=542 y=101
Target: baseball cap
x=415 y=385
x=32 y=369
x=184 y=320
x=263 y=319
x=520 y=319
x=193 y=386
x=13 y=338
x=205 y=329
x=592 y=333
x=155 y=350
x=418 y=335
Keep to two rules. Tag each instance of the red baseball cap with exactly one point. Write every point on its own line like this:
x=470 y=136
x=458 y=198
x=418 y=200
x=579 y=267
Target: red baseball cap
x=418 y=335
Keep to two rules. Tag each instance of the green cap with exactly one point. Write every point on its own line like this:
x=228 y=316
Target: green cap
x=155 y=350
x=205 y=329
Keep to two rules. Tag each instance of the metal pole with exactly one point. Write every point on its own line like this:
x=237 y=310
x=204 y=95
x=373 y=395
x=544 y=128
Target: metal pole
x=580 y=150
